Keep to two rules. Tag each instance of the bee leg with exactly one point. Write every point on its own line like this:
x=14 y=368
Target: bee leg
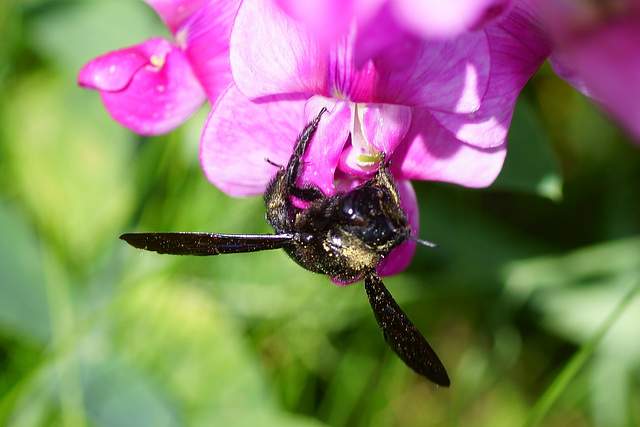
x=307 y=192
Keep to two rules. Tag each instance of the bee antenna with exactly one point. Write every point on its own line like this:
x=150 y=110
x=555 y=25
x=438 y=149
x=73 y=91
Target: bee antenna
x=422 y=242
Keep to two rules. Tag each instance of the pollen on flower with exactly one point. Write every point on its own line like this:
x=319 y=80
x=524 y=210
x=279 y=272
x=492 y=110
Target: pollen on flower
x=370 y=158
x=156 y=61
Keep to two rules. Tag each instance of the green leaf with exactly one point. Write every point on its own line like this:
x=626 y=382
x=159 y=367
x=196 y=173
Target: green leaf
x=68 y=166
x=23 y=299
x=531 y=165
x=116 y=395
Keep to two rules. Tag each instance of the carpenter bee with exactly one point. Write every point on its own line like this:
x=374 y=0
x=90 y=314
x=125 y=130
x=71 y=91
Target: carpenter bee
x=344 y=236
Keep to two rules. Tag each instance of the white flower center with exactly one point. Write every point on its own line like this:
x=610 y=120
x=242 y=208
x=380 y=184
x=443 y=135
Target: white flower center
x=364 y=154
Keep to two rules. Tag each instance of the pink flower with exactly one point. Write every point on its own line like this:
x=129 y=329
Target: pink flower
x=382 y=23
x=597 y=50
x=439 y=109
x=153 y=87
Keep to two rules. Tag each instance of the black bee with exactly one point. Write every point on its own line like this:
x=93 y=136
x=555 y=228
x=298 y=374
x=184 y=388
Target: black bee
x=344 y=236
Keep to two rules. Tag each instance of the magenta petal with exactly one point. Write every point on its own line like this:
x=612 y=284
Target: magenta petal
x=597 y=50
x=114 y=70
x=432 y=153
x=376 y=128
x=353 y=161
x=207 y=35
x=161 y=94
x=385 y=125
x=449 y=75
x=487 y=127
x=518 y=48
x=326 y=19
x=379 y=32
x=445 y=75
x=442 y=19
x=240 y=135
x=271 y=53
x=174 y=12
x=400 y=258
x=609 y=63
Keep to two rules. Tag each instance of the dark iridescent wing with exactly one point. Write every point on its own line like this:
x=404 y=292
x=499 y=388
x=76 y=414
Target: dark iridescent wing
x=206 y=243
x=401 y=335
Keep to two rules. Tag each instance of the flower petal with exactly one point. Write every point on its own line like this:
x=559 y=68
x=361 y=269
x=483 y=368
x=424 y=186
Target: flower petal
x=442 y=19
x=518 y=48
x=607 y=62
x=114 y=70
x=446 y=75
x=400 y=258
x=240 y=135
x=160 y=96
x=272 y=54
x=174 y=12
x=327 y=19
x=385 y=125
x=375 y=128
x=432 y=153
x=207 y=33
x=379 y=32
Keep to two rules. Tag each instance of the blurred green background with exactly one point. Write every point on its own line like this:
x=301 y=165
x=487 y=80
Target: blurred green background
x=529 y=301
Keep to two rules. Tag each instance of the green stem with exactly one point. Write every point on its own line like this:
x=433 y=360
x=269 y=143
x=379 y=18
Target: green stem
x=568 y=373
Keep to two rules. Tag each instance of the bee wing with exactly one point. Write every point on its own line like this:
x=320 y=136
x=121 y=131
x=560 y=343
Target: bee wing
x=206 y=243
x=401 y=335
